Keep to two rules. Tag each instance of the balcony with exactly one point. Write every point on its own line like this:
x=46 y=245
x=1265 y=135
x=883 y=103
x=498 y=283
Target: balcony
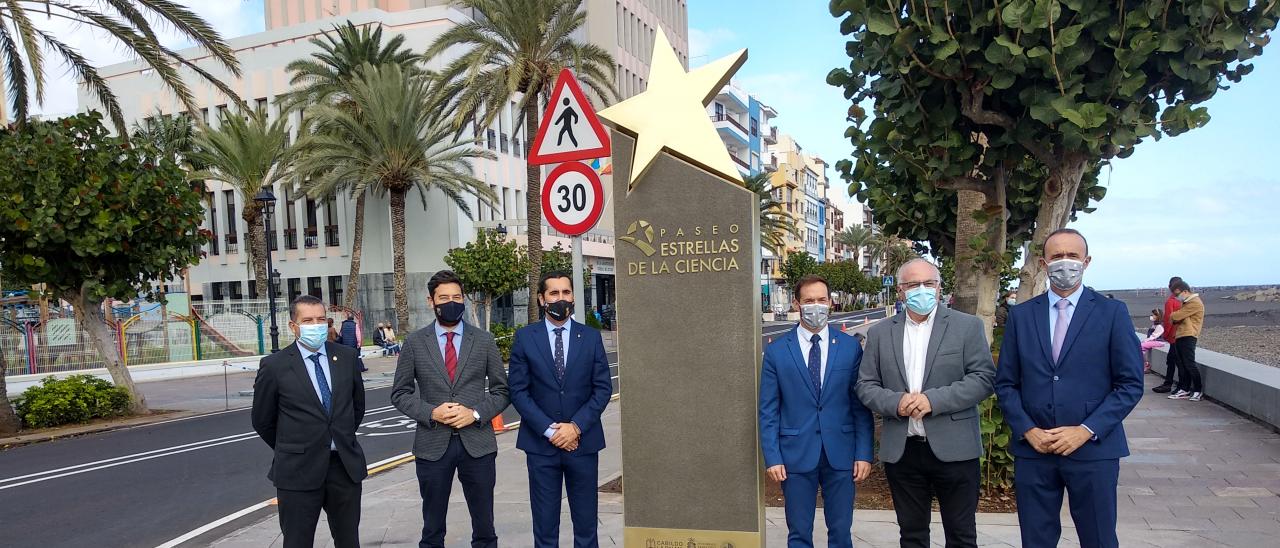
x=771 y=137
x=311 y=240
x=741 y=163
x=291 y=238
x=331 y=235
x=726 y=124
x=232 y=243
x=772 y=166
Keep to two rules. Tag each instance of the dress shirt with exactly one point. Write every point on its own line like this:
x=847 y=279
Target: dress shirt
x=311 y=373
x=915 y=350
x=1074 y=298
x=551 y=343
x=804 y=335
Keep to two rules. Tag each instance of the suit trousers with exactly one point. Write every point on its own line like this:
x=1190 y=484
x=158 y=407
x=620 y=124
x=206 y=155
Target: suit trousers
x=478 y=475
x=578 y=473
x=913 y=482
x=801 y=492
x=1091 y=486
x=340 y=499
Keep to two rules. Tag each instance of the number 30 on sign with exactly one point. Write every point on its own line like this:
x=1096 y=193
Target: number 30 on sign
x=572 y=198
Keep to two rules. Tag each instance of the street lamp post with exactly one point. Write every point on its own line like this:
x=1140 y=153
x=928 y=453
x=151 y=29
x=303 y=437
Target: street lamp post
x=267 y=199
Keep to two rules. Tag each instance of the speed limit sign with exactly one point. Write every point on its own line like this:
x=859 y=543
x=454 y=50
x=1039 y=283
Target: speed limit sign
x=572 y=198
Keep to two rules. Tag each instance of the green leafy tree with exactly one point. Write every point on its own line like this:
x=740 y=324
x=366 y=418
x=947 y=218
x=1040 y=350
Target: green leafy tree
x=775 y=222
x=559 y=258
x=92 y=217
x=491 y=267
x=513 y=50
x=129 y=23
x=798 y=265
x=1069 y=84
x=248 y=152
x=324 y=78
x=394 y=140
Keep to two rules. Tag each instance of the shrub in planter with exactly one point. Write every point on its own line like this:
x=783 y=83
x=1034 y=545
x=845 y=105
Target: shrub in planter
x=75 y=399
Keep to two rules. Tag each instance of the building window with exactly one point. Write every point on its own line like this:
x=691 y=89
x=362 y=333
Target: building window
x=261 y=105
x=216 y=291
x=492 y=139
x=335 y=290
x=290 y=219
x=295 y=288
x=213 y=222
x=755 y=127
x=719 y=111
x=331 y=222
x=312 y=239
x=236 y=290
x=313 y=287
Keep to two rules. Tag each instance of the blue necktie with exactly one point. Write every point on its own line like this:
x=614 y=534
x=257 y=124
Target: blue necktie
x=559 y=354
x=815 y=363
x=326 y=397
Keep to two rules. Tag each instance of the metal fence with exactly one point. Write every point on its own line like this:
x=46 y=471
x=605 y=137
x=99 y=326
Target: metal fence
x=143 y=336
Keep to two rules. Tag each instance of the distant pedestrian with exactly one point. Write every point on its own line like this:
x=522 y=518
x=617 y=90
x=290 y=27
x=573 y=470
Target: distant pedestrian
x=348 y=335
x=1189 y=320
x=1155 y=339
x=1002 y=308
x=1171 y=305
x=309 y=420
x=334 y=336
x=385 y=337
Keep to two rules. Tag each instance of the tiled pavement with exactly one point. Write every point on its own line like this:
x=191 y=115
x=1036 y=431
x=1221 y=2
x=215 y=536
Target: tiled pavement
x=1200 y=476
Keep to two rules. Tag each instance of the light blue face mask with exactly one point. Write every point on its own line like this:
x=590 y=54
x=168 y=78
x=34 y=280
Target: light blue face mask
x=922 y=300
x=313 y=335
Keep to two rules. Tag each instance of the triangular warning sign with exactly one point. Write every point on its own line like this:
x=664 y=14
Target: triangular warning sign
x=570 y=130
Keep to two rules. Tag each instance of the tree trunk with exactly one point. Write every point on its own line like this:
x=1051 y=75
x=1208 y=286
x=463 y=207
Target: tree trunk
x=1056 y=199
x=257 y=247
x=357 y=247
x=488 y=312
x=533 y=207
x=979 y=251
x=397 y=252
x=9 y=423
x=94 y=325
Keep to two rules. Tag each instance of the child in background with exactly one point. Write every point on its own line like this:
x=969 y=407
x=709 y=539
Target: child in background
x=1155 y=339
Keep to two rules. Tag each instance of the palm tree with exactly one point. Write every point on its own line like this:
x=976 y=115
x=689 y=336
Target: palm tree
x=775 y=222
x=857 y=237
x=394 y=140
x=172 y=135
x=22 y=47
x=248 y=152
x=897 y=253
x=325 y=78
x=517 y=48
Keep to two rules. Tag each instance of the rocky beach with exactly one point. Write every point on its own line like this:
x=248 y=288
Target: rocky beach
x=1239 y=321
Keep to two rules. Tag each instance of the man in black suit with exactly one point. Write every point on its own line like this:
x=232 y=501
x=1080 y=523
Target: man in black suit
x=308 y=401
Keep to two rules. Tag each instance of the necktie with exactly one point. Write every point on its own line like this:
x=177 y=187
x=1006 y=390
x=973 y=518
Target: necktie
x=1060 y=328
x=326 y=397
x=815 y=362
x=559 y=354
x=450 y=356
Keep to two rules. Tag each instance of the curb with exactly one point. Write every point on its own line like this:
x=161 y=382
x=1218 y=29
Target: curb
x=81 y=430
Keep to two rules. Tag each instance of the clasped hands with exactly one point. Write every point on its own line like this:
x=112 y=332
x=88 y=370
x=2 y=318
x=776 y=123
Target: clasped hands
x=1063 y=440
x=861 y=469
x=566 y=436
x=454 y=415
x=914 y=405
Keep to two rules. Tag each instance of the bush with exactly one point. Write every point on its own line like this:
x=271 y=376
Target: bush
x=593 y=323
x=504 y=336
x=997 y=437
x=75 y=399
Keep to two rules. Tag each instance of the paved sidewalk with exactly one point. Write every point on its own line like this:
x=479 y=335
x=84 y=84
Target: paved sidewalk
x=1199 y=476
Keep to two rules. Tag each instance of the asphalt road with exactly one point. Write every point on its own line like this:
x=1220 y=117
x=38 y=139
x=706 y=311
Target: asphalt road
x=146 y=485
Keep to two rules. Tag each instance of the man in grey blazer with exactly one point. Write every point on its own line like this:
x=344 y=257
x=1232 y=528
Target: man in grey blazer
x=925 y=371
x=441 y=382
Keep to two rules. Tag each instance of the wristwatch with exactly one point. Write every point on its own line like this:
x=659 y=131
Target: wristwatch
x=476 y=414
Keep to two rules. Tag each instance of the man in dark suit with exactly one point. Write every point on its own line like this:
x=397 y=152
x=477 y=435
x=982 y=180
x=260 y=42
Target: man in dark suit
x=451 y=380
x=924 y=372
x=560 y=384
x=308 y=401
x=813 y=430
x=1070 y=371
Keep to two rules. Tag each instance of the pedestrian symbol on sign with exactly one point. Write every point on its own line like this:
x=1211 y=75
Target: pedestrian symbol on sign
x=566 y=120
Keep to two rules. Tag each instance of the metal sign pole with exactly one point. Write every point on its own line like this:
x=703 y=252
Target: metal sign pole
x=579 y=288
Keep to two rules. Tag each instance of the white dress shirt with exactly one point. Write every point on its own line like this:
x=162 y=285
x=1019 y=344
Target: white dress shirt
x=915 y=350
x=311 y=372
x=551 y=343
x=824 y=343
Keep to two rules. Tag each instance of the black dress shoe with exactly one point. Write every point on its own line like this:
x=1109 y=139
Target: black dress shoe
x=1162 y=389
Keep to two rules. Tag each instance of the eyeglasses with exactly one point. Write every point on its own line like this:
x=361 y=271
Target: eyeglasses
x=931 y=284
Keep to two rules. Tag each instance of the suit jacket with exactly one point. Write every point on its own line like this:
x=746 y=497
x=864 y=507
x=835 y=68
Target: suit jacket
x=288 y=415
x=421 y=384
x=1096 y=381
x=795 y=424
x=958 y=373
x=543 y=400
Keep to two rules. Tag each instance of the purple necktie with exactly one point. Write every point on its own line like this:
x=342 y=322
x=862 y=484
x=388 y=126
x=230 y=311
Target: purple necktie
x=1060 y=328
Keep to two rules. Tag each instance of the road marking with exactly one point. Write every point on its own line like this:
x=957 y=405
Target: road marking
x=46 y=475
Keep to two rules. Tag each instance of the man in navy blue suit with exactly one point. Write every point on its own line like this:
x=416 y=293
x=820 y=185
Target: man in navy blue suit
x=813 y=430
x=560 y=384
x=1070 y=371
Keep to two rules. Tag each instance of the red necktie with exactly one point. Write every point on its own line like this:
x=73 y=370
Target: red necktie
x=450 y=356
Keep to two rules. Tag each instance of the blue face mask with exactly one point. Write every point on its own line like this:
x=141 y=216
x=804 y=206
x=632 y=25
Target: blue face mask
x=922 y=300
x=313 y=335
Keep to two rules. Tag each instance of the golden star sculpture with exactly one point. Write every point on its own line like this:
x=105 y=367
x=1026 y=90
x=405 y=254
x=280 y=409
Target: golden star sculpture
x=672 y=113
